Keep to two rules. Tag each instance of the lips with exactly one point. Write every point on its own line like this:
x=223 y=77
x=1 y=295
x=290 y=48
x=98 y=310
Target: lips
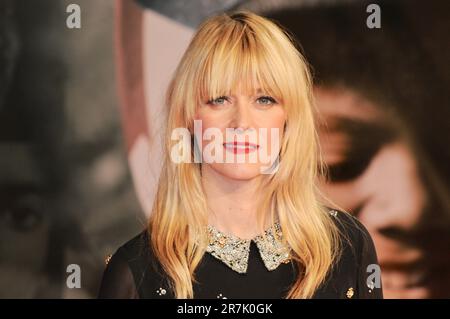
x=240 y=147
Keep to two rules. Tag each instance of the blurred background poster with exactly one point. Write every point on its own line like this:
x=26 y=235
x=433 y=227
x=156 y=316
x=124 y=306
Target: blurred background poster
x=81 y=112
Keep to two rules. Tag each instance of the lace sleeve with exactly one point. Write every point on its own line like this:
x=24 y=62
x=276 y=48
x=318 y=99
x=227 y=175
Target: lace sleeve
x=118 y=281
x=369 y=273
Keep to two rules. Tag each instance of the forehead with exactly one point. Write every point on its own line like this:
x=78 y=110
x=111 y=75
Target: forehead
x=241 y=88
x=344 y=111
x=248 y=92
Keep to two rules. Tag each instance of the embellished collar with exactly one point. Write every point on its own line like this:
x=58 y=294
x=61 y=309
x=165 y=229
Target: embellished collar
x=234 y=251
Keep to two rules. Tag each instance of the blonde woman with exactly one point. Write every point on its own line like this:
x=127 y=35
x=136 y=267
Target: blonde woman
x=250 y=228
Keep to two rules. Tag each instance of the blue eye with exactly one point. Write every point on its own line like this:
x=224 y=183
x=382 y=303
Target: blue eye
x=218 y=101
x=267 y=100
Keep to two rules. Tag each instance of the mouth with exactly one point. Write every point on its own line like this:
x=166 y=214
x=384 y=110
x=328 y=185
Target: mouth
x=240 y=147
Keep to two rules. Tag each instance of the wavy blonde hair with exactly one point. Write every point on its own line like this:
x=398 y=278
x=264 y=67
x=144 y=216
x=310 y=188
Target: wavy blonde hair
x=226 y=49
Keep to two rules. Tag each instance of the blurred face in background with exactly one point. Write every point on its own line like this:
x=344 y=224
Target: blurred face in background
x=374 y=174
x=24 y=221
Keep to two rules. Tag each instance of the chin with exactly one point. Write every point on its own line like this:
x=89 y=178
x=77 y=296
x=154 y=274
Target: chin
x=238 y=171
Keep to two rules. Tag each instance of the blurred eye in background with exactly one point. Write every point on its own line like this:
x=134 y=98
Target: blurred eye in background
x=24 y=213
x=356 y=143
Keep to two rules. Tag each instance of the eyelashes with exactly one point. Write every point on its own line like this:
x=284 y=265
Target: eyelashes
x=222 y=99
x=269 y=98
x=214 y=101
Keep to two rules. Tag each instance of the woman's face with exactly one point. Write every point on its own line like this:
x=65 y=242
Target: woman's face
x=375 y=175
x=250 y=129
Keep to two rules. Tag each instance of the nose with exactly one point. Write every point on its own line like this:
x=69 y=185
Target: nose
x=397 y=195
x=242 y=118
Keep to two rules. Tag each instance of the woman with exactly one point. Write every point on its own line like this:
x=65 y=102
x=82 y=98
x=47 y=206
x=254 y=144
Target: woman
x=230 y=221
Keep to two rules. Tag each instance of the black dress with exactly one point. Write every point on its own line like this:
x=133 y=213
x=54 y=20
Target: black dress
x=133 y=271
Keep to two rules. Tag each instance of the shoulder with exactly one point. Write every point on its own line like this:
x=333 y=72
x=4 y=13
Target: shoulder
x=118 y=279
x=137 y=253
x=135 y=248
x=352 y=231
x=134 y=263
x=358 y=259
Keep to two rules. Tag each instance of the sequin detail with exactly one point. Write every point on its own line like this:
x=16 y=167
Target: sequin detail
x=234 y=251
x=333 y=212
x=161 y=291
x=350 y=292
x=108 y=259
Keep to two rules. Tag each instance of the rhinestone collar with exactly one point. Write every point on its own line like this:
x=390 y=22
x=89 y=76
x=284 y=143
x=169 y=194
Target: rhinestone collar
x=234 y=251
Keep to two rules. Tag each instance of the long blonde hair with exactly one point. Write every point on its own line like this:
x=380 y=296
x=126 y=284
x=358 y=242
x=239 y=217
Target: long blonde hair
x=226 y=49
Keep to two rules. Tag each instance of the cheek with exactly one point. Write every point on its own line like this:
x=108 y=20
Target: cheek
x=276 y=119
x=210 y=120
x=274 y=122
x=213 y=125
x=208 y=123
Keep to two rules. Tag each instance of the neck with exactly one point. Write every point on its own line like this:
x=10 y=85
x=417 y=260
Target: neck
x=232 y=203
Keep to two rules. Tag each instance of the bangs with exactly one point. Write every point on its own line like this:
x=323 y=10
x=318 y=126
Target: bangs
x=239 y=60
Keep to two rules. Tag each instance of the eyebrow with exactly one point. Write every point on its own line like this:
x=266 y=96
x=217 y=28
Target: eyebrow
x=353 y=126
x=365 y=137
